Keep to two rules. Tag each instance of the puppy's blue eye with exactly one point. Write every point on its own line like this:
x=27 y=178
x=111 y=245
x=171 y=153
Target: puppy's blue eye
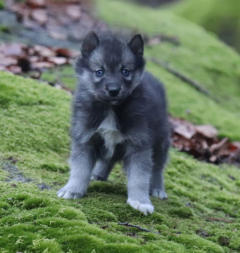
x=99 y=72
x=125 y=72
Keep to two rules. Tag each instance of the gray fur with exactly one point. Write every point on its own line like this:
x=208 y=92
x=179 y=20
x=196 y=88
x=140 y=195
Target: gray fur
x=118 y=117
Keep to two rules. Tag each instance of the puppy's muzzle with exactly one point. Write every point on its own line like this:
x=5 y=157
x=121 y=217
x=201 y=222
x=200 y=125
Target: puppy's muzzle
x=113 y=90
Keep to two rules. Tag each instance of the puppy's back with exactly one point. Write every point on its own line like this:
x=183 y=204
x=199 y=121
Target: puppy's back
x=155 y=90
x=155 y=105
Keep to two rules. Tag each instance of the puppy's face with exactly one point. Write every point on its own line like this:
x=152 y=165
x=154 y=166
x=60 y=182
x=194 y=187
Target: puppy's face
x=110 y=69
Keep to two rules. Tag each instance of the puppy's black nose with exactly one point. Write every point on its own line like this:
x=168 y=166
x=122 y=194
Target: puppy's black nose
x=113 y=91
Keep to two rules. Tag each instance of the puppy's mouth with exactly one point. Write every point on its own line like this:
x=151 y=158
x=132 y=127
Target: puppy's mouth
x=111 y=101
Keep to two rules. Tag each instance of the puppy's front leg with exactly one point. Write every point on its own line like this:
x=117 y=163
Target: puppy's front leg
x=81 y=164
x=138 y=164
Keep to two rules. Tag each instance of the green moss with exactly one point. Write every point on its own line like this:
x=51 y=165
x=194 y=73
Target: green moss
x=3 y=28
x=1 y=4
x=182 y=212
x=194 y=242
x=221 y=17
x=35 y=203
x=27 y=124
x=46 y=245
x=64 y=75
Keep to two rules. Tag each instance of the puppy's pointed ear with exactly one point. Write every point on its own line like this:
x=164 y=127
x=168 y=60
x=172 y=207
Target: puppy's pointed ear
x=90 y=43
x=136 y=44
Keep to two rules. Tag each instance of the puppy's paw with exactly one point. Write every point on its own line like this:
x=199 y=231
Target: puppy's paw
x=70 y=192
x=146 y=208
x=161 y=194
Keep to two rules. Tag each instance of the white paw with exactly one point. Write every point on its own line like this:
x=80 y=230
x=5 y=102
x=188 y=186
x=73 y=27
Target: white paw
x=146 y=208
x=159 y=194
x=69 y=192
x=93 y=178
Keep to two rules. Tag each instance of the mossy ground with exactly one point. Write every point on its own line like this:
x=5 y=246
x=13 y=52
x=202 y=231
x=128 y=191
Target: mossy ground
x=64 y=75
x=202 y=212
x=34 y=133
x=1 y=4
x=219 y=16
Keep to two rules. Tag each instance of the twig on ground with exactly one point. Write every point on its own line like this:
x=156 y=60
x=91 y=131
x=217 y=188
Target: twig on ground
x=155 y=40
x=219 y=219
x=184 y=78
x=136 y=226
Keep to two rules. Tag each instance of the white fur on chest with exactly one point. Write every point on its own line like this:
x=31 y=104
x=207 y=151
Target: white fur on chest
x=109 y=132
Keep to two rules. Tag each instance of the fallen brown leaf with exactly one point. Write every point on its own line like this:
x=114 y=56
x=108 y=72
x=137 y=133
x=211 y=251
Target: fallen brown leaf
x=201 y=141
x=207 y=130
x=40 y=15
x=36 y=3
x=7 y=61
x=58 y=60
x=74 y=11
x=219 y=145
x=42 y=65
x=183 y=128
x=15 y=69
x=219 y=219
x=44 y=51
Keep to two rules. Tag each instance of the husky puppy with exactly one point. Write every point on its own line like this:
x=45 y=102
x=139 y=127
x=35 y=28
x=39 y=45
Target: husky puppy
x=119 y=114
